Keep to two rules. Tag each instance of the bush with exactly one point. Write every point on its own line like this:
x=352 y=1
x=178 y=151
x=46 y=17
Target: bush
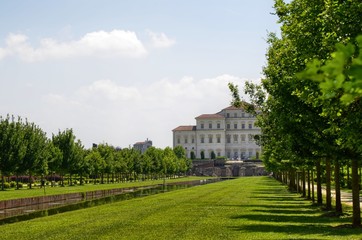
x=23 y=179
x=13 y=184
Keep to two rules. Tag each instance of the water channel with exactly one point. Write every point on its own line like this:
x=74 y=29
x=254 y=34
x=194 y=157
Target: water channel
x=24 y=213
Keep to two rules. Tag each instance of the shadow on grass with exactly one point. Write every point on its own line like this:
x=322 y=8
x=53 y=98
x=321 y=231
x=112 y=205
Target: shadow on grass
x=302 y=230
x=288 y=218
x=279 y=211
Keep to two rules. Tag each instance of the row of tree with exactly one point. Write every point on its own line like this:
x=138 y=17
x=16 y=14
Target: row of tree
x=309 y=103
x=26 y=150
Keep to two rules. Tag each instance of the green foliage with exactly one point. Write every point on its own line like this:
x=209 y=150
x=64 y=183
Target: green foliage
x=202 y=155
x=341 y=76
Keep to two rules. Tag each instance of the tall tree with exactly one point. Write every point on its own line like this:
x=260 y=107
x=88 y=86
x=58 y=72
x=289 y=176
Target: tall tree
x=65 y=142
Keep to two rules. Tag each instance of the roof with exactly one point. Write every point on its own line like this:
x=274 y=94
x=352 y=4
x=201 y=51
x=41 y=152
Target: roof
x=208 y=116
x=185 y=128
x=234 y=108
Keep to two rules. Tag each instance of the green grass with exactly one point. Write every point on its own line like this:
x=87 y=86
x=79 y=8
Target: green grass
x=36 y=191
x=245 y=208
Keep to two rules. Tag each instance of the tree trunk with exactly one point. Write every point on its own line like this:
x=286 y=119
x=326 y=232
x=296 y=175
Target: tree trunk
x=292 y=180
x=328 y=185
x=81 y=179
x=312 y=176
x=356 y=222
x=319 y=183
x=297 y=181
x=303 y=183
x=2 y=182
x=348 y=178
x=308 y=176
x=30 y=182
x=17 y=182
x=337 y=182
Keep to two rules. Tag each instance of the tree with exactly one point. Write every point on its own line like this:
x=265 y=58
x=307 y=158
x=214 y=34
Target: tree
x=65 y=142
x=12 y=146
x=35 y=159
x=340 y=81
x=291 y=115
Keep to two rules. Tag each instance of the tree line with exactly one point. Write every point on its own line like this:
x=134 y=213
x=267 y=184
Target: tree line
x=309 y=103
x=26 y=150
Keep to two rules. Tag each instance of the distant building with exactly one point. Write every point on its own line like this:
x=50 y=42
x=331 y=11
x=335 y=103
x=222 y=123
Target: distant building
x=228 y=133
x=142 y=146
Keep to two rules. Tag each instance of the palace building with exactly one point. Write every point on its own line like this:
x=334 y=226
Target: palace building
x=228 y=133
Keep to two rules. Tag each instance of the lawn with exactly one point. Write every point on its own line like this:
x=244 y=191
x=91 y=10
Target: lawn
x=244 y=208
x=37 y=191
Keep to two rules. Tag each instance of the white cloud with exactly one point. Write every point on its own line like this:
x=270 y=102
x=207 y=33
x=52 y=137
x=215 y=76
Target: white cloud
x=99 y=44
x=160 y=40
x=3 y=53
x=106 y=89
x=121 y=115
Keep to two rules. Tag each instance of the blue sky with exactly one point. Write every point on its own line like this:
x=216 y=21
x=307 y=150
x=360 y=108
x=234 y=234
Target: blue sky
x=123 y=71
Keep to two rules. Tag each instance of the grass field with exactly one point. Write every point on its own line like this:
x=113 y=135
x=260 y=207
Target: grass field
x=36 y=191
x=245 y=208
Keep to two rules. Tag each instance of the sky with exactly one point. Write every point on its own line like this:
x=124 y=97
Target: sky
x=123 y=71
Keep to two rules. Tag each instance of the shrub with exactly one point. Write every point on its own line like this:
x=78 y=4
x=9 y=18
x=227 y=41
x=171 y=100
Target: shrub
x=13 y=184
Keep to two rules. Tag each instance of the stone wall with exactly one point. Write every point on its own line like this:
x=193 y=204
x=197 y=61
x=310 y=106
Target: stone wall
x=231 y=169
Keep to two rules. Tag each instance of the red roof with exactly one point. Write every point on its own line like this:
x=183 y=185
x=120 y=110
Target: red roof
x=185 y=128
x=208 y=116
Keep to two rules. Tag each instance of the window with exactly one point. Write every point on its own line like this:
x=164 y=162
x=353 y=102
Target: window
x=178 y=140
x=235 y=126
x=202 y=139
x=250 y=138
x=243 y=126
x=235 y=115
x=210 y=125
x=210 y=138
x=218 y=125
x=242 y=138
x=250 y=126
x=242 y=114
x=218 y=154
x=186 y=140
x=192 y=140
x=235 y=138
x=228 y=115
x=218 y=139
x=228 y=138
x=202 y=126
x=228 y=126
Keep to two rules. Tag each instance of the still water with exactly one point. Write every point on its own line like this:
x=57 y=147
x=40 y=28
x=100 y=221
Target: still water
x=46 y=209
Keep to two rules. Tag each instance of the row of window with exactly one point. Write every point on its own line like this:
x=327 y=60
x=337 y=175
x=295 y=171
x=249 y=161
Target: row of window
x=235 y=138
x=210 y=138
x=218 y=126
x=228 y=125
x=250 y=126
x=231 y=154
x=243 y=115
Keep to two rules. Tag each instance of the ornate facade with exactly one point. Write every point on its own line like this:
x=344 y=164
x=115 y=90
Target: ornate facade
x=228 y=133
